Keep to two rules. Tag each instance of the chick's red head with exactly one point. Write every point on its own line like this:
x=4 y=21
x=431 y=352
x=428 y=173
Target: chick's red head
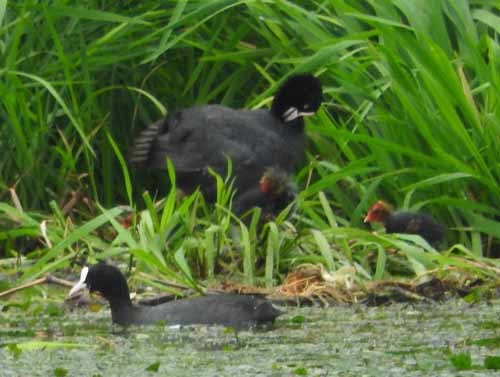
x=378 y=212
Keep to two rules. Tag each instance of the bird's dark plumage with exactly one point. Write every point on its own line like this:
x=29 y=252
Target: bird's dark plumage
x=406 y=222
x=206 y=136
x=238 y=311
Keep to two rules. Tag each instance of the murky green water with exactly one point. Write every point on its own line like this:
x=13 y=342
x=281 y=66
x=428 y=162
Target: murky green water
x=399 y=340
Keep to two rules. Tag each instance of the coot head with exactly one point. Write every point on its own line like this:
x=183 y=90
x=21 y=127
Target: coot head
x=299 y=96
x=378 y=212
x=105 y=279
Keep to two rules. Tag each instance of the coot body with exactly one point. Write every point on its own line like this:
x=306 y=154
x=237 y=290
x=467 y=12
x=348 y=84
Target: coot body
x=203 y=137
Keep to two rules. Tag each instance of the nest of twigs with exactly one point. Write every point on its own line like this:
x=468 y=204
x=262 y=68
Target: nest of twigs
x=311 y=284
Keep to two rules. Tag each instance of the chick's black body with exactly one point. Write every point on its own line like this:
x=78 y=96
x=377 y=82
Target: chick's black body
x=415 y=223
x=238 y=311
x=206 y=136
x=255 y=198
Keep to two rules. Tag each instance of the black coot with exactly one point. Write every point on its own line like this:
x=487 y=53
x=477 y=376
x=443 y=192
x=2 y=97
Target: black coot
x=206 y=136
x=273 y=193
x=238 y=311
x=406 y=222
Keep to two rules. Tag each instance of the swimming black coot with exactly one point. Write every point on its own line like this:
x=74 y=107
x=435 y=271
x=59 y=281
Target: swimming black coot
x=206 y=136
x=406 y=222
x=273 y=193
x=238 y=311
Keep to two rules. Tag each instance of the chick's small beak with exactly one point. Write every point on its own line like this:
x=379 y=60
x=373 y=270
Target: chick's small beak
x=368 y=218
x=264 y=184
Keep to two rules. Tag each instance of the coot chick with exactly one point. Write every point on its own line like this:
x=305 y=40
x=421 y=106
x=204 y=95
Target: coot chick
x=206 y=136
x=238 y=311
x=406 y=222
x=273 y=193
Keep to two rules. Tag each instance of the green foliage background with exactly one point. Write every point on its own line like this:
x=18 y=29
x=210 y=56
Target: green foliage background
x=411 y=115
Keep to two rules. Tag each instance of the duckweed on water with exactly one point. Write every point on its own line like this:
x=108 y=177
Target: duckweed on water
x=492 y=362
x=397 y=340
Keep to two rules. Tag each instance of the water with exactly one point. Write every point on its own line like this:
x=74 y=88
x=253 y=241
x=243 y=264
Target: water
x=397 y=340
